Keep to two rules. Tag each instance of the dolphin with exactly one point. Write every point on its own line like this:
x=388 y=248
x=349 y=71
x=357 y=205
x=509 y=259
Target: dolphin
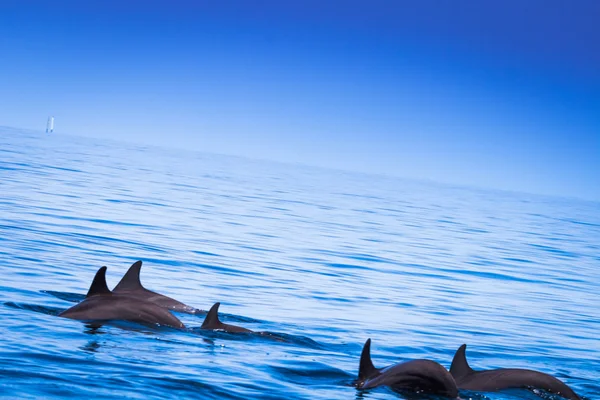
x=212 y=322
x=504 y=378
x=100 y=304
x=415 y=375
x=131 y=285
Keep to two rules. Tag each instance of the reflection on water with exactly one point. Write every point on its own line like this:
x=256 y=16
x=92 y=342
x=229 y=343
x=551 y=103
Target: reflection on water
x=92 y=346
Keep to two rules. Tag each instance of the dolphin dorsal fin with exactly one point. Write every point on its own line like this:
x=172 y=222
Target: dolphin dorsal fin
x=131 y=279
x=99 y=284
x=212 y=318
x=460 y=367
x=366 y=369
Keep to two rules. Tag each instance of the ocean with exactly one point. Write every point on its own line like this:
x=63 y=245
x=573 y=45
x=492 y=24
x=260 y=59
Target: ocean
x=324 y=259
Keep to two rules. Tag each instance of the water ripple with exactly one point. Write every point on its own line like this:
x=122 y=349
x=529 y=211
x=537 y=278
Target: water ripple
x=315 y=261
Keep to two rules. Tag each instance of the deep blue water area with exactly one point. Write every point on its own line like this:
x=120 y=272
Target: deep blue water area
x=321 y=259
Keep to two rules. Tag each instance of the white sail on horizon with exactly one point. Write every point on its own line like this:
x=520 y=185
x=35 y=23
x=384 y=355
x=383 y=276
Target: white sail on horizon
x=50 y=125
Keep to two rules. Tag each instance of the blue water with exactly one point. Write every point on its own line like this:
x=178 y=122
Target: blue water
x=325 y=259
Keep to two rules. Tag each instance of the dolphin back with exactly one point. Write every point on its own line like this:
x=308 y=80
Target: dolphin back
x=504 y=378
x=416 y=375
x=124 y=308
x=212 y=322
x=131 y=285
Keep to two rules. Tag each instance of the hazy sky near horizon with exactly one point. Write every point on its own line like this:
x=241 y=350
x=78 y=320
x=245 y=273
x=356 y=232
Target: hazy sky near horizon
x=501 y=94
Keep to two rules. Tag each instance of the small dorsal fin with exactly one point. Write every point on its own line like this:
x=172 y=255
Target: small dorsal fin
x=131 y=279
x=212 y=318
x=99 y=284
x=460 y=367
x=366 y=369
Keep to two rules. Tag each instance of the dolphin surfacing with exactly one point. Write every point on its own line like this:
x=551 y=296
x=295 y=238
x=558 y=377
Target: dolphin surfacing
x=212 y=322
x=504 y=378
x=415 y=375
x=101 y=304
x=131 y=285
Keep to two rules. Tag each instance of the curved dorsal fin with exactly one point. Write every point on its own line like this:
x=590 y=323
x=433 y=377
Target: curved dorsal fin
x=460 y=367
x=212 y=318
x=99 y=284
x=131 y=279
x=366 y=369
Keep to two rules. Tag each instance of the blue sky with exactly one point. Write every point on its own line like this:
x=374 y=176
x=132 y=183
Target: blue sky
x=483 y=93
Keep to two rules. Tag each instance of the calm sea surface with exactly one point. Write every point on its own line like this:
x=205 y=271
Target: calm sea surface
x=325 y=259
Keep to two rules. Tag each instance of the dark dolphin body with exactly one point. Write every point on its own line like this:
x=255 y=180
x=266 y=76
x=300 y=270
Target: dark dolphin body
x=212 y=322
x=505 y=378
x=101 y=304
x=131 y=285
x=416 y=375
